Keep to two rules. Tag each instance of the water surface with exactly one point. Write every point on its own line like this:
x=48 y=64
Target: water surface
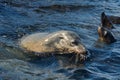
x=23 y=17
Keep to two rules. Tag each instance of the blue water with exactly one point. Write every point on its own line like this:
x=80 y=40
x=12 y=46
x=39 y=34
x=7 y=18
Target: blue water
x=23 y=17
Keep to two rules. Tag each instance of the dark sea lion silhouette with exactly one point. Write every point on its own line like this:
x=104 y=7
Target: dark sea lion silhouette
x=106 y=22
x=114 y=19
x=105 y=30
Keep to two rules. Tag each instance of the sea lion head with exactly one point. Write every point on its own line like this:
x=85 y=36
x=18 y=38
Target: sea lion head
x=60 y=42
x=105 y=35
x=67 y=42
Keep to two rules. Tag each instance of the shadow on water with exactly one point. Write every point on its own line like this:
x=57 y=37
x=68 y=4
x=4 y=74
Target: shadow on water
x=23 y=17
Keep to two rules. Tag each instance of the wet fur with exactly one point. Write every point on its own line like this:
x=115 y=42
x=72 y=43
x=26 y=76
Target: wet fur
x=104 y=31
x=53 y=43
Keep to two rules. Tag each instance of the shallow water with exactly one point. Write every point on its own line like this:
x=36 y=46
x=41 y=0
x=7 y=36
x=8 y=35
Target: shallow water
x=23 y=17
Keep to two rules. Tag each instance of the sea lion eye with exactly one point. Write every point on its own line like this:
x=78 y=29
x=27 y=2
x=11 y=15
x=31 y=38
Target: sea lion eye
x=75 y=43
x=61 y=37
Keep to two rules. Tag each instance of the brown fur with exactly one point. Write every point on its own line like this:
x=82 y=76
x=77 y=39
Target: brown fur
x=105 y=35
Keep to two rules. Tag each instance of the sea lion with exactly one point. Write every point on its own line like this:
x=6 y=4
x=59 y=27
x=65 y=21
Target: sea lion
x=105 y=30
x=60 y=42
x=105 y=35
x=106 y=22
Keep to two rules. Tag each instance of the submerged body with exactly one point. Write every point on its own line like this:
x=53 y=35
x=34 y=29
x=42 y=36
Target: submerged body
x=105 y=30
x=60 y=42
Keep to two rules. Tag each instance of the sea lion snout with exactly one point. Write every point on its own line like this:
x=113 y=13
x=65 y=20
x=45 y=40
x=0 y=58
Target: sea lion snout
x=81 y=53
x=80 y=49
x=72 y=41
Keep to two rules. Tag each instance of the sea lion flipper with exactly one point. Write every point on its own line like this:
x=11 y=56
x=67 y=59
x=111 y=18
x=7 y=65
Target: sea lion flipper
x=115 y=19
x=103 y=17
x=105 y=21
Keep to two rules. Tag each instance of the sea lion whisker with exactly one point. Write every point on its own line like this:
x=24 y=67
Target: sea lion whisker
x=71 y=57
x=82 y=57
x=77 y=58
